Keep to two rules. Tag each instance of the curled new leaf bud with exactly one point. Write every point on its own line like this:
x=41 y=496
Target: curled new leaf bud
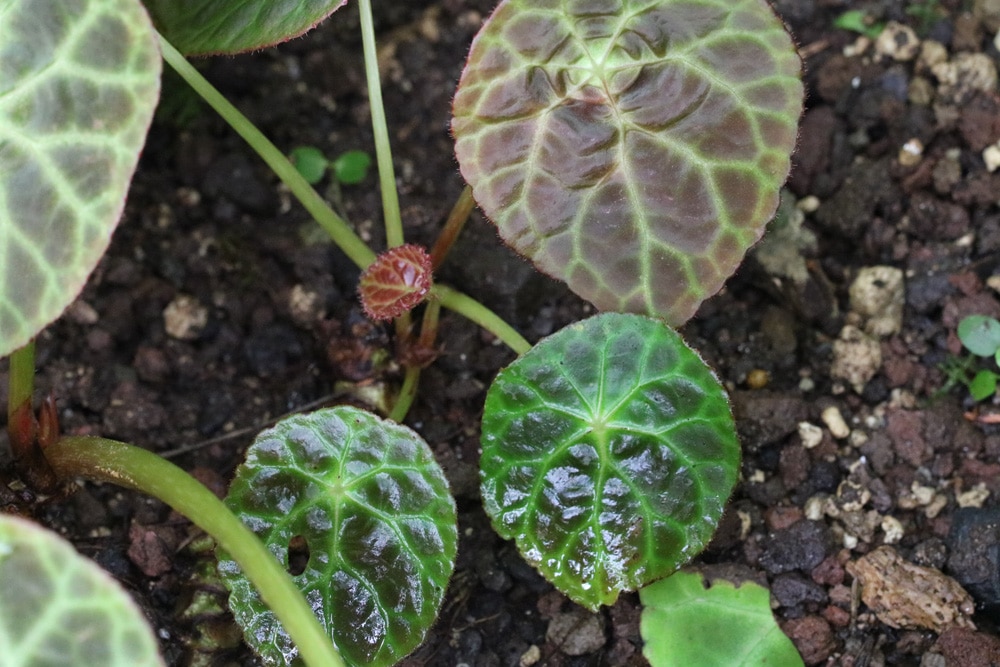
x=395 y=282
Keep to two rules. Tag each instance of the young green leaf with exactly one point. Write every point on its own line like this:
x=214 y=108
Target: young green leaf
x=198 y=27
x=684 y=623
x=980 y=335
x=983 y=385
x=634 y=148
x=310 y=162
x=370 y=506
x=609 y=451
x=351 y=167
x=59 y=608
x=78 y=85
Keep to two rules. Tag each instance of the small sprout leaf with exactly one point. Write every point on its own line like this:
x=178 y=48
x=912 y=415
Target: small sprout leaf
x=684 y=623
x=78 y=85
x=983 y=385
x=59 y=608
x=350 y=168
x=310 y=162
x=398 y=280
x=199 y=27
x=365 y=504
x=609 y=451
x=980 y=335
x=634 y=149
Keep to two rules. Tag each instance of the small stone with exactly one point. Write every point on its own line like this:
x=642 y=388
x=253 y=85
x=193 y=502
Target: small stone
x=991 y=156
x=802 y=546
x=931 y=53
x=835 y=422
x=82 y=312
x=810 y=434
x=904 y=595
x=814 y=509
x=856 y=357
x=974 y=560
x=897 y=41
x=812 y=637
x=305 y=306
x=758 y=378
x=878 y=295
x=965 y=74
x=911 y=153
x=893 y=530
x=961 y=646
x=185 y=317
x=531 y=656
x=974 y=497
x=792 y=589
x=148 y=551
x=576 y=632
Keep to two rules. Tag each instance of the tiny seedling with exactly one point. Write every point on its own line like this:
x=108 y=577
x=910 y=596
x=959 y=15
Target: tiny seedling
x=980 y=335
x=632 y=149
x=348 y=168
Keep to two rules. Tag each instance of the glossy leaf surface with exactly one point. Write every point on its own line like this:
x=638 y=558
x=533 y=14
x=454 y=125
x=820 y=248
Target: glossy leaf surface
x=608 y=453
x=683 y=624
x=197 y=27
x=632 y=148
x=373 y=509
x=59 y=609
x=78 y=85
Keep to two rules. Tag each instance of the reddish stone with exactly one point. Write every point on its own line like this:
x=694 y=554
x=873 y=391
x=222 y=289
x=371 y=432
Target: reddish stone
x=837 y=617
x=812 y=636
x=905 y=429
x=778 y=518
x=829 y=573
x=960 y=646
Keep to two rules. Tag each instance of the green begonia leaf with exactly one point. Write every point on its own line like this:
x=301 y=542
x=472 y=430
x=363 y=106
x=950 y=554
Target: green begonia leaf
x=632 y=148
x=373 y=509
x=198 y=27
x=78 y=85
x=684 y=623
x=609 y=451
x=59 y=609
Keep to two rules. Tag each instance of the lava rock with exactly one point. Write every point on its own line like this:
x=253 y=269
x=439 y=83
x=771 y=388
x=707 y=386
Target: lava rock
x=794 y=590
x=802 y=546
x=974 y=560
x=765 y=417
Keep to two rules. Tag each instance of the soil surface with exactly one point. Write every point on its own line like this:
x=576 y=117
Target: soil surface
x=220 y=308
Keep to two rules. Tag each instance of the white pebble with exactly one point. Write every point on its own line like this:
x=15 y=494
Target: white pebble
x=810 y=434
x=974 y=497
x=835 y=422
x=893 y=530
x=184 y=318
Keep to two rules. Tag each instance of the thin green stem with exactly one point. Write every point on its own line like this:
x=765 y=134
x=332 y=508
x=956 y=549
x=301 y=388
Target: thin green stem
x=465 y=305
x=21 y=385
x=335 y=226
x=104 y=460
x=407 y=393
x=421 y=354
x=383 y=150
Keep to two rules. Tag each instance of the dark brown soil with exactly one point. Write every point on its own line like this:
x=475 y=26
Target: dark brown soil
x=205 y=220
